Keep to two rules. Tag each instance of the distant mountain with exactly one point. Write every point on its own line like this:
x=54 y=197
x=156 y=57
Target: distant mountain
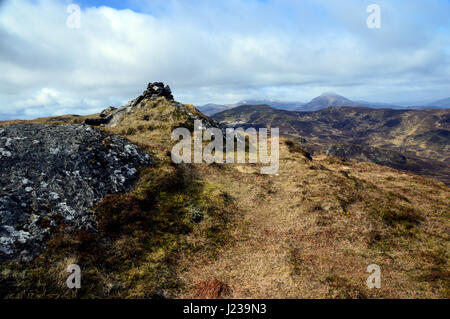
x=326 y=100
x=211 y=108
x=323 y=101
x=444 y=103
x=281 y=105
x=378 y=105
x=332 y=99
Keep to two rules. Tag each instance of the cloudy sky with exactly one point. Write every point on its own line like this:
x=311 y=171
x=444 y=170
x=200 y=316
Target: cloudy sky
x=219 y=51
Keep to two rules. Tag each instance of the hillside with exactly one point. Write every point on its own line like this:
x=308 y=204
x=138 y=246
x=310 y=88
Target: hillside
x=420 y=135
x=226 y=231
x=311 y=232
x=443 y=103
x=211 y=108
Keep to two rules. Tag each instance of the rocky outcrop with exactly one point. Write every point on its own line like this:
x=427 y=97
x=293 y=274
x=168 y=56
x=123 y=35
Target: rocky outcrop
x=111 y=116
x=155 y=90
x=368 y=154
x=56 y=174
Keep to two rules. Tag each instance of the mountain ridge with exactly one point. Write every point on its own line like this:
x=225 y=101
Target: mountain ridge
x=324 y=100
x=443 y=103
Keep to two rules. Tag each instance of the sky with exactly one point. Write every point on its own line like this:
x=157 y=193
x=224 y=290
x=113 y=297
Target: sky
x=212 y=51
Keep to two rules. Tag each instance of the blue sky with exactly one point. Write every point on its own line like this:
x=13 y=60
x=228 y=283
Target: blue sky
x=219 y=51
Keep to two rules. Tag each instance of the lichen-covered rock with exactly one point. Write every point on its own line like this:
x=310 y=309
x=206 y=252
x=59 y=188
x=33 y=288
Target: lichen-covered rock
x=56 y=174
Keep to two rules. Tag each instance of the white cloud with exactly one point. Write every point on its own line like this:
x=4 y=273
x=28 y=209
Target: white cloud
x=210 y=51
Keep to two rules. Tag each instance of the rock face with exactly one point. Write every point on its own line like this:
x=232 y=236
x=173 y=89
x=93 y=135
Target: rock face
x=56 y=174
x=367 y=153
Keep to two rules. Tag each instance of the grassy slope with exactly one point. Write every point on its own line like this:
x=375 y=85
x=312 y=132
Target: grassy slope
x=227 y=231
x=313 y=230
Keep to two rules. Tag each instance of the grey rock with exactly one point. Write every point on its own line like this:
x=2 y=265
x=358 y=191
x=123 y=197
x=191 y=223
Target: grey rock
x=59 y=179
x=154 y=90
x=106 y=112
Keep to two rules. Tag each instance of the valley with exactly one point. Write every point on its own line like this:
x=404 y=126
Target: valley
x=422 y=136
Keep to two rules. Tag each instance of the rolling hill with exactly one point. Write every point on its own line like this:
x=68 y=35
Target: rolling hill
x=211 y=108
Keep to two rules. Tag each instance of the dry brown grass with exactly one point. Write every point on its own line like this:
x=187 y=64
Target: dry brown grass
x=211 y=289
x=151 y=124
x=312 y=231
